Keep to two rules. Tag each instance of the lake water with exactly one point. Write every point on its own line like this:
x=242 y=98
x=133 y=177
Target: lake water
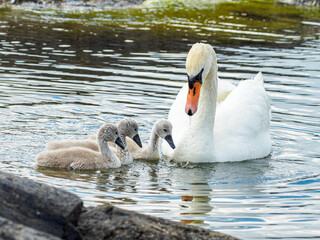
x=64 y=73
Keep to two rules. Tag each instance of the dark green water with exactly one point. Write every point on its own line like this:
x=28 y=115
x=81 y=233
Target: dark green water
x=64 y=72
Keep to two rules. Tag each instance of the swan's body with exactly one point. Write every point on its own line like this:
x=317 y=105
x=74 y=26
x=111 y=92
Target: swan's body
x=127 y=127
x=84 y=158
x=235 y=130
x=161 y=129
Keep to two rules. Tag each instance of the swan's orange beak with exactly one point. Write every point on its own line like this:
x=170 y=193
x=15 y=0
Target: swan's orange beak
x=193 y=98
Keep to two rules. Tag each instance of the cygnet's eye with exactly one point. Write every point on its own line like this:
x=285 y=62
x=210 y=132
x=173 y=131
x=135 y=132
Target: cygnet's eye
x=135 y=129
x=116 y=133
x=165 y=130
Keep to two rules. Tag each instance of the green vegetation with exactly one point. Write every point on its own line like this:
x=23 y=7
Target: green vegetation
x=223 y=20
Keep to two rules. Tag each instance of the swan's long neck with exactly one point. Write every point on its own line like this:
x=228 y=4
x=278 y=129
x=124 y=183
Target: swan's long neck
x=112 y=159
x=202 y=122
x=196 y=144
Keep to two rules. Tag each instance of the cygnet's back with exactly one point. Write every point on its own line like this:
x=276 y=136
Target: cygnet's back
x=83 y=158
x=85 y=143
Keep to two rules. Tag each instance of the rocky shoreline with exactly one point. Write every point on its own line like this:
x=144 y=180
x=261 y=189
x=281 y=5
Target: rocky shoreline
x=32 y=210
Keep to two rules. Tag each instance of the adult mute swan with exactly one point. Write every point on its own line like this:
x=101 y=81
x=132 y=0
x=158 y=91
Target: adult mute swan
x=161 y=129
x=84 y=158
x=236 y=130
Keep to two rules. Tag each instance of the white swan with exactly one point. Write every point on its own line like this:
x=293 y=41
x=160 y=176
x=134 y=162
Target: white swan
x=84 y=158
x=236 y=130
x=161 y=129
x=127 y=128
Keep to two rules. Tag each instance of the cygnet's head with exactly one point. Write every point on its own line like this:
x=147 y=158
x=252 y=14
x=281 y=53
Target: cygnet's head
x=130 y=128
x=108 y=132
x=163 y=129
x=201 y=58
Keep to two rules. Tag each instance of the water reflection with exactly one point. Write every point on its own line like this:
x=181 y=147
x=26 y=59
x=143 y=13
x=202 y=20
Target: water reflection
x=195 y=192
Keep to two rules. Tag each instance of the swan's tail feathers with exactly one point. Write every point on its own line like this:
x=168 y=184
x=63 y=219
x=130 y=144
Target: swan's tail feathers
x=258 y=78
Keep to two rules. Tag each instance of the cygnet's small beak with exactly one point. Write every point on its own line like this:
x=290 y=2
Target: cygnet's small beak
x=119 y=142
x=169 y=139
x=136 y=138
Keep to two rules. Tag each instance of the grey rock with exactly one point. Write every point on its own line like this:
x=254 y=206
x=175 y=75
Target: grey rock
x=13 y=231
x=39 y=206
x=110 y=222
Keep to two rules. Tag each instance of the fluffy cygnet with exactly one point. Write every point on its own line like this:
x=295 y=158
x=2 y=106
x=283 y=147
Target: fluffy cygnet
x=84 y=158
x=161 y=129
x=127 y=128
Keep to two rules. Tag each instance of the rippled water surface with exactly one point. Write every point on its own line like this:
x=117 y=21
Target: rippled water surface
x=62 y=74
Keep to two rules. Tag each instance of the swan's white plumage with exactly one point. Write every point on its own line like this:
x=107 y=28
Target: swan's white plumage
x=235 y=129
x=241 y=129
x=224 y=89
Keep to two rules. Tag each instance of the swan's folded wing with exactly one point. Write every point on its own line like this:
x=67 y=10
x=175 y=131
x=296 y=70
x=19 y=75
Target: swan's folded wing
x=241 y=129
x=224 y=89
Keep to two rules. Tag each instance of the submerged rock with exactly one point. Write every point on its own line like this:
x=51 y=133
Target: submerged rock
x=31 y=210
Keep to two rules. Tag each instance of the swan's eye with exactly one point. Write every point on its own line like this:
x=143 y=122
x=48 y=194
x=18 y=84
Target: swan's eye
x=116 y=133
x=198 y=78
x=135 y=129
x=165 y=130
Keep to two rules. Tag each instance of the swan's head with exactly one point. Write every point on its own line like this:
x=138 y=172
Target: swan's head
x=200 y=60
x=109 y=133
x=130 y=128
x=163 y=129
